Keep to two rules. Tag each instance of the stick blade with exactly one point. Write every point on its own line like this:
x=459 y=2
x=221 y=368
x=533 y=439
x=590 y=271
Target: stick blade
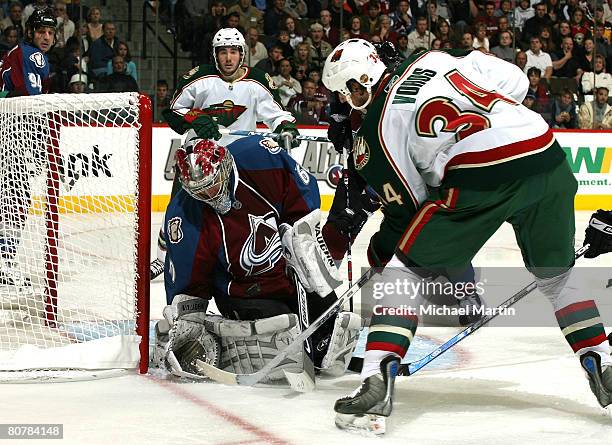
x=303 y=381
x=216 y=374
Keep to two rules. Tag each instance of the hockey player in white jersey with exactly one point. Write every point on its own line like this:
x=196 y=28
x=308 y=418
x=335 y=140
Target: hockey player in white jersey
x=453 y=121
x=226 y=95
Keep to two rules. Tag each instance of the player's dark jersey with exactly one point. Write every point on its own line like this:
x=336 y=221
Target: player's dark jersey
x=240 y=253
x=24 y=71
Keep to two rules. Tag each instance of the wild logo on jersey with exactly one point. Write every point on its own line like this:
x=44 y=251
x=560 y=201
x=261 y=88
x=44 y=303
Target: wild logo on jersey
x=263 y=247
x=225 y=113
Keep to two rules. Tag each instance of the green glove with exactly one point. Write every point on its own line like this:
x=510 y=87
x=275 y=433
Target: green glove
x=206 y=127
x=288 y=130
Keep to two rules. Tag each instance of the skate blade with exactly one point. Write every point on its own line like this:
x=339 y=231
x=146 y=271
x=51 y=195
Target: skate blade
x=365 y=424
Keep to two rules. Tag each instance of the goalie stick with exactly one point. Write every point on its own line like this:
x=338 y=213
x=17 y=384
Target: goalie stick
x=251 y=379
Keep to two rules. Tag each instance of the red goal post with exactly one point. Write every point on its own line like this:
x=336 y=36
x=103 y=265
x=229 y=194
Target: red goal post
x=75 y=211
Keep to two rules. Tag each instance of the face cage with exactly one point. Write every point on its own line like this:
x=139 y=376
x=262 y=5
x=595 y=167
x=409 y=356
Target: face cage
x=350 y=101
x=221 y=202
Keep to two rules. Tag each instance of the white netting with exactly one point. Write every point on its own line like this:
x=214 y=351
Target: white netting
x=69 y=232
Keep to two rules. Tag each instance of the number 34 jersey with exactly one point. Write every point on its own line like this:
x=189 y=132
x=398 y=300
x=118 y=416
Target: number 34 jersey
x=448 y=119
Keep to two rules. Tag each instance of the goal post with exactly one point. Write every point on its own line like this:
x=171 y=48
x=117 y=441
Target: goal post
x=75 y=214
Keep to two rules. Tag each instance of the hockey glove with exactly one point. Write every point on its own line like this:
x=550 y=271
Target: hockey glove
x=350 y=220
x=339 y=131
x=205 y=127
x=287 y=131
x=599 y=234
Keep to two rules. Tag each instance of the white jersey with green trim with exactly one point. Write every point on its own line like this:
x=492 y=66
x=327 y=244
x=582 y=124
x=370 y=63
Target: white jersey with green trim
x=236 y=105
x=443 y=113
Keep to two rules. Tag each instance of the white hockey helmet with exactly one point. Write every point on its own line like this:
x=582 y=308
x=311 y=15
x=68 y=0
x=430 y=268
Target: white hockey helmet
x=353 y=59
x=229 y=37
x=205 y=172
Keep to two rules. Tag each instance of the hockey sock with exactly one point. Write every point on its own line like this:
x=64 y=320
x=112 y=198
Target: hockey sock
x=388 y=334
x=582 y=327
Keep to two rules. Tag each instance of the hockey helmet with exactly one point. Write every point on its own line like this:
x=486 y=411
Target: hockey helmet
x=205 y=171
x=353 y=59
x=40 y=18
x=229 y=37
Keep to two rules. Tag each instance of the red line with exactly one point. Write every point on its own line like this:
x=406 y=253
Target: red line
x=239 y=442
x=220 y=412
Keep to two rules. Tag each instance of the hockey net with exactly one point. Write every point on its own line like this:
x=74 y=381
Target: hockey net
x=75 y=193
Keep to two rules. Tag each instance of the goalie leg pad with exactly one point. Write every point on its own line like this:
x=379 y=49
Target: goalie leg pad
x=246 y=346
x=342 y=344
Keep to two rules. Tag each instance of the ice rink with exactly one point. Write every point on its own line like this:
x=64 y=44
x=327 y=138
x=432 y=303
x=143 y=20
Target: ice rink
x=499 y=386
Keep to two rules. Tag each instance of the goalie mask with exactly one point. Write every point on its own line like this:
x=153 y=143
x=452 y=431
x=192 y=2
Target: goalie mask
x=205 y=171
x=357 y=60
x=229 y=37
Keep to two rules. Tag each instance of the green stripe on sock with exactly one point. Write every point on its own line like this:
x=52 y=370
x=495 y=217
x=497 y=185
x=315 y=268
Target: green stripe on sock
x=576 y=317
x=392 y=320
x=585 y=334
x=389 y=337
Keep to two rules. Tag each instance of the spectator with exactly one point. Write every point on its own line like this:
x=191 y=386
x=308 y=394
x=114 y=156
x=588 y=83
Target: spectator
x=307 y=108
x=530 y=101
x=273 y=16
x=249 y=15
x=337 y=9
x=356 y=32
x=256 y=50
x=467 y=41
x=118 y=81
x=72 y=62
x=295 y=35
x=445 y=33
x=283 y=42
x=548 y=45
x=372 y=19
x=567 y=11
x=564 y=111
x=320 y=90
x=520 y=60
x=502 y=26
x=489 y=19
x=15 y=19
x=31 y=7
x=534 y=24
x=480 y=39
x=213 y=22
x=287 y=86
x=586 y=59
x=94 y=24
x=579 y=24
x=460 y=14
x=432 y=14
x=301 y=57
x=602 y=46
x=296 y=9
x=161 y=100
x=331 y=34
x=596 y=114
x=123 y=50
x=553 y=9
x=598 y=78
x=78 y=84
x=232 y=20
x=504 y=50
x=76 y=12
x=385 y=32
x=538 y=58
x=402 y=18
x=402 y=46
x=564 y=62
x=65 y=26
x=270 y=64
x=9 y=40
x=540 y=91
x=607 y=7
x=319 y=49
x=564 y=30
x=103 y=49
x=505 y=11
x=523 y=12
x=420 y=37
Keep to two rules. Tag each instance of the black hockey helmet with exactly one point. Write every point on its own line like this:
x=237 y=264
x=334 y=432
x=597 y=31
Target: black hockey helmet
x=38 y=19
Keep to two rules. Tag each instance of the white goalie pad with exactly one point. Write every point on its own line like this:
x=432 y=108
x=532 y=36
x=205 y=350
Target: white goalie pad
x=305 y=250
x=341 y=344
x=246 y=346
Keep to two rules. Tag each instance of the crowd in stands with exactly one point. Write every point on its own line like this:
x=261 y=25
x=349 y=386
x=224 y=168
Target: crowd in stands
x=563 y=46
x=88 y=56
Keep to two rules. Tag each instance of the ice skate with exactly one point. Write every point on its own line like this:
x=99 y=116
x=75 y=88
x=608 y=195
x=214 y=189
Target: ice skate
x=600 y=377
x=365 y=409
x=472 y=305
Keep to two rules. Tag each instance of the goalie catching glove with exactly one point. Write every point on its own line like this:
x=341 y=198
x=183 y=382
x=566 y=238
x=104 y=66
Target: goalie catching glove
x=599 y=234
x=305 y=250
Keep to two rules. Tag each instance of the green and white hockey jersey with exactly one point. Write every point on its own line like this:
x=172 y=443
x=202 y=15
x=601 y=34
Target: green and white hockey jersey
x=236 y=105
x=445 y=120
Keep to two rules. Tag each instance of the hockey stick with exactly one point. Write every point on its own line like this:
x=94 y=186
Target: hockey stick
x=157 y=268
x=251 y=379
x=411 y=368
x=303 y=381
x=349 y=255
x=301 y=137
